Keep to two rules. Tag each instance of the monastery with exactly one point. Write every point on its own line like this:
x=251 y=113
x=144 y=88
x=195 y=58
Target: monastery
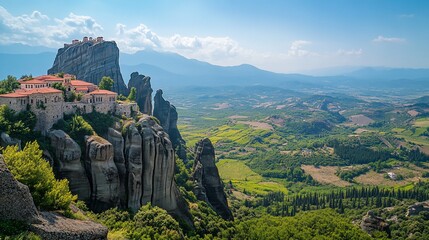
x=38 y=96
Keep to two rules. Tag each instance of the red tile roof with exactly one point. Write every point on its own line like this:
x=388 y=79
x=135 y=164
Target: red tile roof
x=102 y=92
x=33 y=81
x=26 y=92
x=37 y=90
x=80 y=83
x=81 y=89
x=12 y=95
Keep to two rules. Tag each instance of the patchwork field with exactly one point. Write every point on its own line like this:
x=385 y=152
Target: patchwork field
x=239 y=134
x=246 y=180
x=325 y=175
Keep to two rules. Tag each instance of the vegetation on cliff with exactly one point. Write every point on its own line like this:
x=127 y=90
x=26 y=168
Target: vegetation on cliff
x=29 y=168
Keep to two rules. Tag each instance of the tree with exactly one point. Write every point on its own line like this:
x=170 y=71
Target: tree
x=106 y=83
x=29 y=168
x=133 y=93
x=8 y=85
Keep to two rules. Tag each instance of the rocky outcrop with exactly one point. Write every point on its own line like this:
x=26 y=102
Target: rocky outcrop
x=102 y=173
x=67 y=163
x=90 y=61
x=115 y=138
x=144 y=91
x=371 y=223
x=133 y=167
x=208 y=185
x=6 y=140
x=167 y=115
x=418 y=207
x=55 y=226
x=133 y=155
x=16 y=202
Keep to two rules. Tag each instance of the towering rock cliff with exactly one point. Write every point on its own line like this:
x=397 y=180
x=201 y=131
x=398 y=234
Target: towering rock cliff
x=67 y=164
x=90 y=61
x=208 y=185
x=144 y=91
x=129 y=169
x=167 y=115
x=102 y=173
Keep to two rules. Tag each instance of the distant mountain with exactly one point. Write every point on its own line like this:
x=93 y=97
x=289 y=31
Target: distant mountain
x=170 y=70
x=389 y=73
x=21 y=64
x=25 y=49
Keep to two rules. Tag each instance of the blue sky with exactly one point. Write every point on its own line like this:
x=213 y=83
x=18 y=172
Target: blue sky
x=282 y=36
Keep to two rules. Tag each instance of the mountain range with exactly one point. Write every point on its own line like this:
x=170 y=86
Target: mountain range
x=171 y=70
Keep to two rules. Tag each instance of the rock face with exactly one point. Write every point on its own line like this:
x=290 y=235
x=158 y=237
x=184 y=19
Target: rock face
x=134 y=167
x=115 y=138
x=54 y=226
x=150 y=157
x=67 y=163
x=167 y=115
x=103 y=173
x=90 y=61
x=371 y=223
x=144 y=91
x=418 y=207
x=16 y=202
x=208 y=185
x=6 y=140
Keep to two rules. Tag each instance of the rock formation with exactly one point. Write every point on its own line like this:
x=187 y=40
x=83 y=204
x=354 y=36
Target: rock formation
x=144 y=91
x=133 y=167
x=371 y=223
x=90 y=61
x=208 y=185
x=417 y=207
x=16 y=202
x=115 y=138
x=67 y=163
x=6 y=140
x=167 y=115
x=55 y=226
x=102 y=173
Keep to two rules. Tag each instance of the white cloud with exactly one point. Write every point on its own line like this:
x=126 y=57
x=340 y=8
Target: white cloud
x=352 y=52
x=297 y=49
x=380 y=39
x=39 y=29
x=406 y=15
x=215 y=49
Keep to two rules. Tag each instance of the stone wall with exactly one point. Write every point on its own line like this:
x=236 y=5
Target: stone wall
x=126 y=109
x=17 y=104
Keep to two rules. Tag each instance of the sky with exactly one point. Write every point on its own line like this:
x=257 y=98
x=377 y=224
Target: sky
x=280 y=36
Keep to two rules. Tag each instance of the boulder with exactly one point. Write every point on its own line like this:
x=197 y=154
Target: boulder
x=16 y=202
x=371 y=223
x=55 y=226
x=103 y=173
x=208 y=185
x=91 y=61
x=167 y=115
x=68 y=165
x=115 y=138
x=6 y=140
x=144 y=91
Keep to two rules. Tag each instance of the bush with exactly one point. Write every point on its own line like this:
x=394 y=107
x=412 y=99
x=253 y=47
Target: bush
x=31 y=169
x=18 y=125
x=76 y=127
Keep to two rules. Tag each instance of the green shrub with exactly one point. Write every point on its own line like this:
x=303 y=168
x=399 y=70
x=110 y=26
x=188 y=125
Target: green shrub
x=31 y=169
